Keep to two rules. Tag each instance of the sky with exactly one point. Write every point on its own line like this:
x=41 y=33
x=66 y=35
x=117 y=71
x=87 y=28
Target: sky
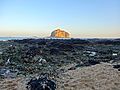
x=81 y=18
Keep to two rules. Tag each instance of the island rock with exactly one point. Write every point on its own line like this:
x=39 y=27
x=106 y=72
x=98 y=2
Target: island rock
x=60 y=34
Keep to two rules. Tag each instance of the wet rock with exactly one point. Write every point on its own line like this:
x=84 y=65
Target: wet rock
x=93 y=62
x=79 y=47
x=3 y=71
x=42 y=61
x=1 y=52
x=79 y=41
x=8 y=62
x=33 y=51
x=1 y=62
x=53 y=44
x=41 y=43
x=8 y=73
x=90 y=53
x=41 y=83
x=54 y=51
x=108 y=42
x=66 y=47
x=25 y=55
x=72 y=68
x=117 y=66
x=114 y=54
x=119 y=69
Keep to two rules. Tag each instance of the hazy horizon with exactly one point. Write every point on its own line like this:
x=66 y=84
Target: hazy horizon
x=81 y=18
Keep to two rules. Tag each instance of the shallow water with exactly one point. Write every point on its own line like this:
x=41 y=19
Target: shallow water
x=12 y=38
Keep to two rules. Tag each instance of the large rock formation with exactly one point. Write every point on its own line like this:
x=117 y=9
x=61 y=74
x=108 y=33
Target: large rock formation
x=60 y=34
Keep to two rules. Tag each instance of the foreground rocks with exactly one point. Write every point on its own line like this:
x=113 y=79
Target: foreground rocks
x=98 y=77
x=41 y=83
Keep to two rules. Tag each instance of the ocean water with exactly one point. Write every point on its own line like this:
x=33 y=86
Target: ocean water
x=12 y=38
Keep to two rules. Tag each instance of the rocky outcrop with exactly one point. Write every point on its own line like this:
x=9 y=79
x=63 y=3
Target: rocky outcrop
x=60 y=34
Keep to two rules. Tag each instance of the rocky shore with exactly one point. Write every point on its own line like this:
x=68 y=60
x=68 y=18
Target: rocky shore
x=74 y=64
x=97 y=77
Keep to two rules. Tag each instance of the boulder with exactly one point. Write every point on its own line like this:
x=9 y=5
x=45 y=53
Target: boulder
x=42 y=83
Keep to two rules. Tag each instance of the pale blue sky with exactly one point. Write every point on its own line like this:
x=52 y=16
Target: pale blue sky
x=82 y=18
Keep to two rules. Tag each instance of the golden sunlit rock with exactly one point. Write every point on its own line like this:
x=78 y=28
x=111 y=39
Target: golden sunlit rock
x=60 y=34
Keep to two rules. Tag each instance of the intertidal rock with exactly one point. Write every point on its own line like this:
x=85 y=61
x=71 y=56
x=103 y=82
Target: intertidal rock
x=42 y=83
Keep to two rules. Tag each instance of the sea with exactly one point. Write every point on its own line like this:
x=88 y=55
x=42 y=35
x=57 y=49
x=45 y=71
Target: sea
x=20 y=38
x=12 y=38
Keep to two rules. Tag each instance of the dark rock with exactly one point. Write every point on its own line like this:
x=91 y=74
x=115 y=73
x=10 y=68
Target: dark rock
x=66 y=47
x=119 y=69
x=93 y=62
x=54 y=51
x=108 y=42
x=72 y=68
x=42 y=83
x=8 y=73
x=116 y=66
